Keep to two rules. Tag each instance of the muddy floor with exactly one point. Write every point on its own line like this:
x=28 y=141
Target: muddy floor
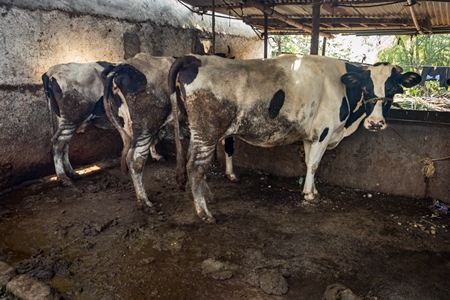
x=91 y=242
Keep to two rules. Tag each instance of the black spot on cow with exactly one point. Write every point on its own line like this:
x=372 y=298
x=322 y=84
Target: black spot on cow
x=324 y=134
x=352 y=68
x=276 y=103
x=380 y=63
x=189 y=71
x=55 y=89
x=105 y=64
x=129 y=79
x=49 y=94
x=344 y=110
x=99 y=108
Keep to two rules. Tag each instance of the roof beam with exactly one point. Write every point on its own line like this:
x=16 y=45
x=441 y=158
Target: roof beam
x=413 y=16
x=274 y=14
x=325 y=20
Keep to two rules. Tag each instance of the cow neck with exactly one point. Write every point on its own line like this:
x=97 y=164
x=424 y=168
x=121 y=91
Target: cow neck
x=355 y=98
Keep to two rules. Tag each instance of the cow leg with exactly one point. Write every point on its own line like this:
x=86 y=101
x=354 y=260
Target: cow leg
x=136 y=158
x=196 y=168
x=153 y=153
x=60 y=145
x=313 y=155
x=229 y=149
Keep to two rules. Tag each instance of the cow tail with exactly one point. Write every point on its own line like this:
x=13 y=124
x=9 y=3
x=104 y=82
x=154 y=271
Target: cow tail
x=177 y=109
x=126 y=139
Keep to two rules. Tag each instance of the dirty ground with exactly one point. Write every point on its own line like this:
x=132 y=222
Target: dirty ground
x=91 y=241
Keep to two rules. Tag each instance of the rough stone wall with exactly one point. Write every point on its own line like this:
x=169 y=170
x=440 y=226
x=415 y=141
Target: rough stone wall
x=35 y=35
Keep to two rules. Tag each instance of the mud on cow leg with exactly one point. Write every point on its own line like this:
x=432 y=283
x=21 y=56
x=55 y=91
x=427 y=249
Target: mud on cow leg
x=200 y=189
x=60 y=147
x=67 y=166
x=136 y=165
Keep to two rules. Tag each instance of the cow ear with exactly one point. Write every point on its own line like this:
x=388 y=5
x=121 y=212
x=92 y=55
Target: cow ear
x=448 y=81
x=410 y=79
x=398 y=68
x=351 y=79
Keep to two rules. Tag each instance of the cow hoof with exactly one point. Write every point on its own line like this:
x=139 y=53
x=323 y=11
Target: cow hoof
x=67 y=182
x=210 y=220
x=232 y=177
x=207 y=218
x=144 y=202
x=160 y=159
x=75 y=177
x=150 y=210
x=311 y=199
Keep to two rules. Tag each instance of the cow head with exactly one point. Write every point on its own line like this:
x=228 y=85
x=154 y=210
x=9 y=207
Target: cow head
x=378 y=84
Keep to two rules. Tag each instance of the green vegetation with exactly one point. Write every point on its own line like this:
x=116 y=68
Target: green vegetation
x=414 y=52
x=338 y=47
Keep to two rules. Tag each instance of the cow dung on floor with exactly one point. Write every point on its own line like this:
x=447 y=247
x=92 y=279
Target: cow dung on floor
x=92 y=242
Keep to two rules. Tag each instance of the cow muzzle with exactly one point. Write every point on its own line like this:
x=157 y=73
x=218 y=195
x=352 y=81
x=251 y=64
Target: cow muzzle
x=375 y=120
x=375 y=125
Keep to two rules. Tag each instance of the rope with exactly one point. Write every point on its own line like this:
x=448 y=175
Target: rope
x=429 y=169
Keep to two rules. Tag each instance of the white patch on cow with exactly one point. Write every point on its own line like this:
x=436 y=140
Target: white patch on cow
x=85 y=78
x=379 y=74
x=155 y=155
x=376 y=117
x=124 y=112
x=296 y=65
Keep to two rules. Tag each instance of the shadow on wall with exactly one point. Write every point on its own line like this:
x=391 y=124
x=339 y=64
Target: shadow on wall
x=131 y=44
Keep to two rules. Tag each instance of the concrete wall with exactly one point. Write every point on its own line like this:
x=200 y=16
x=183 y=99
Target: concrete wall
x=35 y=35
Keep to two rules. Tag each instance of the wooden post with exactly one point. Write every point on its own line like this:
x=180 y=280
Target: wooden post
x=315 y=27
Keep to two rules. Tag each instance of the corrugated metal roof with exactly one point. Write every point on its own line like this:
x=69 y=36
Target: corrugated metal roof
x=373 y=17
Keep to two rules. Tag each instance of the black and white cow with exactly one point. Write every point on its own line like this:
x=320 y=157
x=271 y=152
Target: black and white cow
x=74 y=93
x=137 y=102
x=274 y=102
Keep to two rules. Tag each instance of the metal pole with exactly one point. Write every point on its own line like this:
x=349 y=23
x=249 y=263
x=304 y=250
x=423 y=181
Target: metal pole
x=213 y=33
x=324 y=44
x=265 y=35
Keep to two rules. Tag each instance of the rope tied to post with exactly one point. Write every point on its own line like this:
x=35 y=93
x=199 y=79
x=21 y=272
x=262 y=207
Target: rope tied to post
x=429 y=169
